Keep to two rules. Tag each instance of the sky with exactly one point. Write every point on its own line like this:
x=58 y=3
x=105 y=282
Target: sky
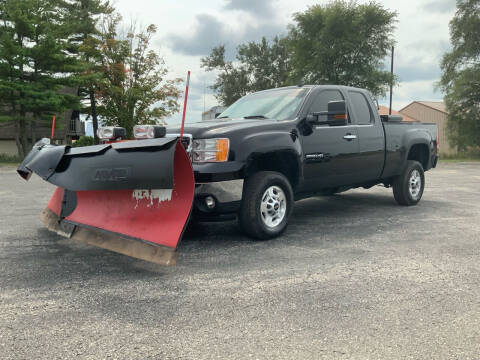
x=189 y=29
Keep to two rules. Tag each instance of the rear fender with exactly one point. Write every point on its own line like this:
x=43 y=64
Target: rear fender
x=421 y=138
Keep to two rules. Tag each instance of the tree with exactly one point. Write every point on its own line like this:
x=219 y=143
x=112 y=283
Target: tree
x=85 y=38
x=34 y=65
x=231 y=82
x=268 y=63
x=135 y=89
x=339 y=43
x=259 y=66
x=461 y=75
x=343 y=43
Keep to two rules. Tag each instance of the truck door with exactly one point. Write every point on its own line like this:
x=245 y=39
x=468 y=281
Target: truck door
x=329 y=151
x=371 y=137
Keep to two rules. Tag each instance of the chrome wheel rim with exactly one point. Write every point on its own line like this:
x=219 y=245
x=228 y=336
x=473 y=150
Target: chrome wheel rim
x=415 y=184
x=273 y=206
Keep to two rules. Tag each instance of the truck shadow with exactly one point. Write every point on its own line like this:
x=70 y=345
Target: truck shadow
x=325 y=215
x=317 y=223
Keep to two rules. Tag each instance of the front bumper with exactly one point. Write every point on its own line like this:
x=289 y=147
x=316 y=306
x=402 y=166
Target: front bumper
x=226 y=195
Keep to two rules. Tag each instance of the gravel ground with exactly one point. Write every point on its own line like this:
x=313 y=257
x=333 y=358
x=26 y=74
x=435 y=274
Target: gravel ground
x=354 y=277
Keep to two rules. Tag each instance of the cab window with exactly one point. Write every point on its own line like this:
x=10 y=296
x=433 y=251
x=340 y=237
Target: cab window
x=363 y=112
x=322 y=100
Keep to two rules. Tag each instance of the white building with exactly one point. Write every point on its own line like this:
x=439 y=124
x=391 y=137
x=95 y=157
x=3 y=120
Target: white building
x=213 y=112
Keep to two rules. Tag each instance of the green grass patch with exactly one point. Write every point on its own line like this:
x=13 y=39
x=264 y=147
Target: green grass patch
x=84 y=141
x=6 y=159
x=455 y=160
x=471 y=154
x=462 y=156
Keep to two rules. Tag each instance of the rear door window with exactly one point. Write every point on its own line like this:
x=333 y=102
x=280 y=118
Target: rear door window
x=363 y=112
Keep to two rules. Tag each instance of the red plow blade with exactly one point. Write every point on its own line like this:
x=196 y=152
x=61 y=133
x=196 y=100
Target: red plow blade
x=143 y=223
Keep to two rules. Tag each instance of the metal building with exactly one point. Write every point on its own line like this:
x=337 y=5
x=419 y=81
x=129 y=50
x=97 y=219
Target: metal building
x=432 y=112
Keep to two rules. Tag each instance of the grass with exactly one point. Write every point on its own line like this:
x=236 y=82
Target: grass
x=463 y=156
x=455 y=160
x=9 y=160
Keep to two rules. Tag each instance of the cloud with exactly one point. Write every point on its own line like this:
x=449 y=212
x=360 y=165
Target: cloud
x=200 y=98
x=209 y=32
x=440 y=6
x=406 y=92
x=410 y=73
x=262 y=8
x=422 y=38
x=420 y=60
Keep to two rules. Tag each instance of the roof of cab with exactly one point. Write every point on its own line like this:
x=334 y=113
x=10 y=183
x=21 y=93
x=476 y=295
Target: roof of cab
x=316 y=87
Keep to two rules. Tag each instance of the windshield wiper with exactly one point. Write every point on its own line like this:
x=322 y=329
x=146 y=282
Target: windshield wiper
x=255 y=117
x=222 y=117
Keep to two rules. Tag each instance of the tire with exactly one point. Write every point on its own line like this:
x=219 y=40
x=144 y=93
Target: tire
x=260 y=215
x=408 y=186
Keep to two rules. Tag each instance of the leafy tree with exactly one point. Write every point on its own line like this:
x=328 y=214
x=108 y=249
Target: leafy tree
x=267 y=63
x=259 y=66
x=34 y=65
x=231 y=82
x=135 y=90
x=343 y=43
x=85 y=16
x=84 y=141
x=338 y=43
x=461 y=75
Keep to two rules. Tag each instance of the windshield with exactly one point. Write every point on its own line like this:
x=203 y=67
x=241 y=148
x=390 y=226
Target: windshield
x=280 y=104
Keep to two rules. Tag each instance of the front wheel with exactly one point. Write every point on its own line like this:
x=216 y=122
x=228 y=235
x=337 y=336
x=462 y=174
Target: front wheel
x=408 y=186
x=267 y=204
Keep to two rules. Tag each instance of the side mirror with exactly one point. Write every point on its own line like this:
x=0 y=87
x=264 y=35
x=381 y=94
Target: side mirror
x=336 y=115
x=312 y=118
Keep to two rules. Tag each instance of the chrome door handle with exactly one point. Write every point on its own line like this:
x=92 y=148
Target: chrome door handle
x=350 y=137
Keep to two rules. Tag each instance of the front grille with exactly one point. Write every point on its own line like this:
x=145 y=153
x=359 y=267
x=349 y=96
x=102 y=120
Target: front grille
x=186 y=142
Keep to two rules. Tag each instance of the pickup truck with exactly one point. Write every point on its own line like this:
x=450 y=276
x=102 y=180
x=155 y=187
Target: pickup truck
x=290 y=143
x=262 y=153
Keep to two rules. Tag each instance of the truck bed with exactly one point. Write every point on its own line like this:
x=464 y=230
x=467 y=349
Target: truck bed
x=395 y=134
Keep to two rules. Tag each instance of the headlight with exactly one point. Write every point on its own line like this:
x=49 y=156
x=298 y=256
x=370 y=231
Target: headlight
x=210 y=150
x=149 y=131
x=111 y=133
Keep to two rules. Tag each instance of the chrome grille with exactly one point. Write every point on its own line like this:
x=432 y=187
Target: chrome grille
x=186 y=141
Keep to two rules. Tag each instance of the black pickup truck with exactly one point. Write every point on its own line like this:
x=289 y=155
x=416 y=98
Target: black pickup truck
x=276 y=146
x=261 y=154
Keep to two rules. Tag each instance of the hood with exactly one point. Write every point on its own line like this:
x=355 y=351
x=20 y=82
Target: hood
x=220 y=127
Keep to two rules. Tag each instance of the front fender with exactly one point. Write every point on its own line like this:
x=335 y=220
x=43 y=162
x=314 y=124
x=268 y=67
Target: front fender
x=284 y=145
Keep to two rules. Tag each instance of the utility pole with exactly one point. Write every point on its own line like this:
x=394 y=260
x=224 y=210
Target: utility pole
x=391 y=84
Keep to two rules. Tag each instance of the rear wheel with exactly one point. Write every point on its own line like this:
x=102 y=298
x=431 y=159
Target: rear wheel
x=408 y=186
x=267 y=204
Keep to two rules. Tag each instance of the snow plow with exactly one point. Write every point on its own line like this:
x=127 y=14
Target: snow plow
x=133 y=197
x=130 y=197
